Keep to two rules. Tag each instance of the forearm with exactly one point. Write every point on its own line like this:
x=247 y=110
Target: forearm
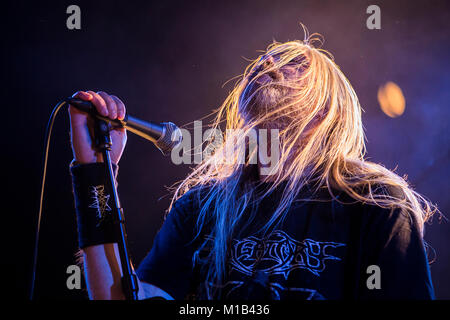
x=103 y=272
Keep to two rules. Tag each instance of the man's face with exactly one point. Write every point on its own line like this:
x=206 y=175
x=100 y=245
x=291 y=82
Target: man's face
x=268 y=87
x=275 y=89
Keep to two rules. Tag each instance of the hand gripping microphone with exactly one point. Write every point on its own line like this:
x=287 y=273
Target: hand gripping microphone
x=165 y=136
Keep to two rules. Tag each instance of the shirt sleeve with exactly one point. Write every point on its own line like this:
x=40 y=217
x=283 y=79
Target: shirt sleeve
x=402 y=261
x=169 y=263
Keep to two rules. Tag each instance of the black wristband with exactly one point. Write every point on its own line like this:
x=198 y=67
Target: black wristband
x=94 y=204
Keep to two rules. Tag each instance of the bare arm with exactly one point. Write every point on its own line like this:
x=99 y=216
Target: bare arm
x=103 y=272
x=103 y=275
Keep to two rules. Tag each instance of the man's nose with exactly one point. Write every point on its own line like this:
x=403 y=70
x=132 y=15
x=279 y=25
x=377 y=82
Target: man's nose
x=274 y=74
x=269 y=62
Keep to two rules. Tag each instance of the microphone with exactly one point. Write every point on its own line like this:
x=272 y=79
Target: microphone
x=165 y=136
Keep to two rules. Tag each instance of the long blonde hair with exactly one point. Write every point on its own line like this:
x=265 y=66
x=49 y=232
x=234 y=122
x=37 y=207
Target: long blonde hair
x=306 y=90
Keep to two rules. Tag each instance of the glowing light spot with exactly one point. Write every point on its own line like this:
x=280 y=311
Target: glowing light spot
x=391 y=100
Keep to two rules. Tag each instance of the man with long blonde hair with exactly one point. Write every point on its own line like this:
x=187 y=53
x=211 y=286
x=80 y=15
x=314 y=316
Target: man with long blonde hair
x=322 y=223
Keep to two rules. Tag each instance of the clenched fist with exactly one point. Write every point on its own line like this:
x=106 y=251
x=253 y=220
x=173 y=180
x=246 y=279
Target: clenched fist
x=82 y=126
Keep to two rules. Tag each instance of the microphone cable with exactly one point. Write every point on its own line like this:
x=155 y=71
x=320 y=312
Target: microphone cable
x=48 y=134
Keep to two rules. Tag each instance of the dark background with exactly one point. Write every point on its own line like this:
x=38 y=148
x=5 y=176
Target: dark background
x=168 y=61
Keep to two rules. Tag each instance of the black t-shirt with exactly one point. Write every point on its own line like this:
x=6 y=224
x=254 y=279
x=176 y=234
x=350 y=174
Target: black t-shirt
x=321 y=250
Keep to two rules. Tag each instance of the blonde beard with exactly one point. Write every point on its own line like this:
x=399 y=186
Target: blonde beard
x=265 y=100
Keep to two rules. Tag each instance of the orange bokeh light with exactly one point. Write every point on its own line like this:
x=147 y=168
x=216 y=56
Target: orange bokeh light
x=391 y=99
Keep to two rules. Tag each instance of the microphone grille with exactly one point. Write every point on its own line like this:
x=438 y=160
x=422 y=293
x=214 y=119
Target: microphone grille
x=170 y=138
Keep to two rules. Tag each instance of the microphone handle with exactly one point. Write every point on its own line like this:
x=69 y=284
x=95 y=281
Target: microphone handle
x=147 y=130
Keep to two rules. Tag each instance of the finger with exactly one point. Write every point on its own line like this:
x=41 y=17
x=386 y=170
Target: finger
x=83 y=95
x=80 y=95
x=99 y=103
x=110 y=103
x=121 y=110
